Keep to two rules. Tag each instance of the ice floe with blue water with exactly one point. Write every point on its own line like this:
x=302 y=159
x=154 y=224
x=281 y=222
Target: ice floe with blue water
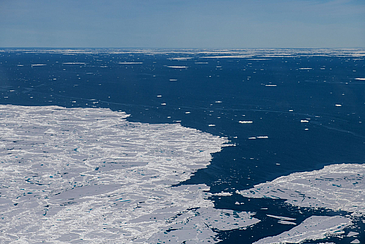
x=72 y=174
x=339 y=187
x=313 y=228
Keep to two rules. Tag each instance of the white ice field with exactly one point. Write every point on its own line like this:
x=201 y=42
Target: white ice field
x=76 y=175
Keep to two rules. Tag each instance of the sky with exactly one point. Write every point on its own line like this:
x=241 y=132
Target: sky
x=182 y=23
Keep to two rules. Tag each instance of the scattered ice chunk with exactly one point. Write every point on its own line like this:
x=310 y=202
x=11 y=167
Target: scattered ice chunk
x=211 y=125
x=130 y=63
x=173 y=80
x=163 y=104
x=304 y=121
x=180 y=58
x=223 y=194
x=305 y=68
x=159 y=95
x=362 y=79
x=218 y=101
x=37 y=65
x=311 y=229
x=177 y=67
x=355 y=241
x=352 y=233
x=252 y=138
x=338 y=105
x=271 y=85
x=245 y=121
x=280 y=217
x=74 y=63
x=262 y=137
x=285 y=222
x=187 y=112
x=20 y=65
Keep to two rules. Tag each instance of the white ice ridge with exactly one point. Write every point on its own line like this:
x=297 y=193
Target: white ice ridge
x=337 y=187
x=313 y=228
x=68 y=174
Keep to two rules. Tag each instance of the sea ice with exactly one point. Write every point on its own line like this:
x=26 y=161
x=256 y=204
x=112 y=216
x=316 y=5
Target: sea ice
x=313 y=228
x=336 y=186
x=68 y=174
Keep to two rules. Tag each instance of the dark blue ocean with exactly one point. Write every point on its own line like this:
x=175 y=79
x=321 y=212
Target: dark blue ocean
x=284 y=111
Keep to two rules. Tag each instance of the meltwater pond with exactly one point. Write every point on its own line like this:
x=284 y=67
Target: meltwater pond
x=173 y=146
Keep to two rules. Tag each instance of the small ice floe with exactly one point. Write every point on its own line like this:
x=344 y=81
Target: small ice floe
x=291 y=110
x=222 y=194
x=211 y=125
x=20 y=65
x=262 y=137
x=245 y=121
x=271 y=85
x=180 y=58
x=352 y=233
x=313 y=228
x=163 y=104
x=159 y=95
x=37 y=65
x=305 y=68
x=130 y=63
x=338 y=105
x=218 y=101
x=177 y=67
x=283 y=220
x=252 y=138
x=173 y=80
x=362 y=79
x=355 y=241
x=74 y=63
x=187 y=112
x=304 y=121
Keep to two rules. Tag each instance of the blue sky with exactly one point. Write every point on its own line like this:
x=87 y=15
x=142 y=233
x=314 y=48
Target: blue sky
x=182 y=23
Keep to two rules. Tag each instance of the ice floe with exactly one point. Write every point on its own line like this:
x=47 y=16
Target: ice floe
x=37 y=65
x=245 y=121
x=74 y=63
x=336 y=187
x=86 y=173
x=130 y=63
x=177 y=67
x=313 y=228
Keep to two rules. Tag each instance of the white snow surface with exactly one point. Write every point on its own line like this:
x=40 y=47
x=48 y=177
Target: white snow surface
x=72 y=175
